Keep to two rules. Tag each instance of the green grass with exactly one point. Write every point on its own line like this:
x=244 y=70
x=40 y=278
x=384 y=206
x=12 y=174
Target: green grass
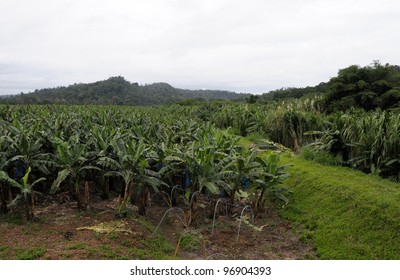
x=4 y=252
x=113 y=235
x=245 y=142
x=344 y=214
x=29 y=254
x=319 y=157
x=16 y=219
x=149 y=247
x=110 y=253
x=157 y=248
x=78 y=246
x=160 y=250
x=255 y=137
x=31 y=229
x=190 y=240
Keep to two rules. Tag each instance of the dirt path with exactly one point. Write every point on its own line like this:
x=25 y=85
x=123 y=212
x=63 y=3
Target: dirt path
x=62 y=232
x=272 y=238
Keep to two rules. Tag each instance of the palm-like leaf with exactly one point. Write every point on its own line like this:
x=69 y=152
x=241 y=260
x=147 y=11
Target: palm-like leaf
x=62 y=175
x=7 y=179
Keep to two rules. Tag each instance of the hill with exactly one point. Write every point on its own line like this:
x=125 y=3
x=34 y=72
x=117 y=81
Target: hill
x=117 y=91
x=370 y=87
x=293 y=92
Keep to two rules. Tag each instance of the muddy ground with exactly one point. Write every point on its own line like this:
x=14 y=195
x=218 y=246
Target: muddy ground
x=61 y=231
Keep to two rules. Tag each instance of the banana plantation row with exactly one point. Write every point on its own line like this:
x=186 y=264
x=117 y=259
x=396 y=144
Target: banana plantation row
x=367 y=141
x=137 y=152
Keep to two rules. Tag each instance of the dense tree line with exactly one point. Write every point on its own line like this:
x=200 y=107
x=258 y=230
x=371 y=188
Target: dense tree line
x=116 y=91
x=293 y=92
x=370 y=87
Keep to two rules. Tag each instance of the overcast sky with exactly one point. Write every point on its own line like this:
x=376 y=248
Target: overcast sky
x=241 y=45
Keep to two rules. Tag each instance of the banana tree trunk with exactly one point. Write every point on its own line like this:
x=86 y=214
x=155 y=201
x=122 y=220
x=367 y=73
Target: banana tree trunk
x=144 y=201
x=296 y=144
x=132 y=194
x=127 y=193
x=106 y=187
x=78 y=194
x=194 y=206
x=256 y=202
x=261 y=200
x=3 y=198
x=10 y=195
x=87 y=195
x=29 y=206
x=232 y=198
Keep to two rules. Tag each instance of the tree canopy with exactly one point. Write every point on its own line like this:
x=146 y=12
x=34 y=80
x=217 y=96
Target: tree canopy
x=370 y=87
x=117 y=91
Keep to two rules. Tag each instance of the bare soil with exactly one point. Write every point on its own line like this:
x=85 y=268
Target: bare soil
x=61 y=231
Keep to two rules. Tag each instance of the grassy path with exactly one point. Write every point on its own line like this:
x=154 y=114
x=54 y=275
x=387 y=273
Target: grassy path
x=344 y=214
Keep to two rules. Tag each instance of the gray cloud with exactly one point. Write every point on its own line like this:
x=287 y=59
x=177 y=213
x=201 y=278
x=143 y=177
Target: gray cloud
x=246 y=46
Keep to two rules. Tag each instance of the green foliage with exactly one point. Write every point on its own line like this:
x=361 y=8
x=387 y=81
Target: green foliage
x=268 y=178
x=29 y=254
x=366 y=141
x=191 y=241
x=370 y=87
x=147 y=149
x=157 y=248
x=152 y=149
x=26 y=191
x=78 y=246
x=14 y=219
x=319 y=157
x=284 y=123
x=4 y=250
x=256 y=136
x=343 y=213
x=292 y=92
x=118 y=91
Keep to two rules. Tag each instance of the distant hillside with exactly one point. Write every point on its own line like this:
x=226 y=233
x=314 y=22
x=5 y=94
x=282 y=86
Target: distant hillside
x=118 y=91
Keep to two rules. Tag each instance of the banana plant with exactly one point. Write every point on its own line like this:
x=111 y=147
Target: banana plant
x=27 y=193
x=131 y=164
x=4 y=164
x=173 y=170
x=3 y=198
x=99 y=141
x=269 y=177
x=25 y=145
x=71 y=160
x=242 y=165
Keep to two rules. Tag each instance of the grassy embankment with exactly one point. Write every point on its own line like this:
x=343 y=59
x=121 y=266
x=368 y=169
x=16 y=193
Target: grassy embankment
x=343 y=213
